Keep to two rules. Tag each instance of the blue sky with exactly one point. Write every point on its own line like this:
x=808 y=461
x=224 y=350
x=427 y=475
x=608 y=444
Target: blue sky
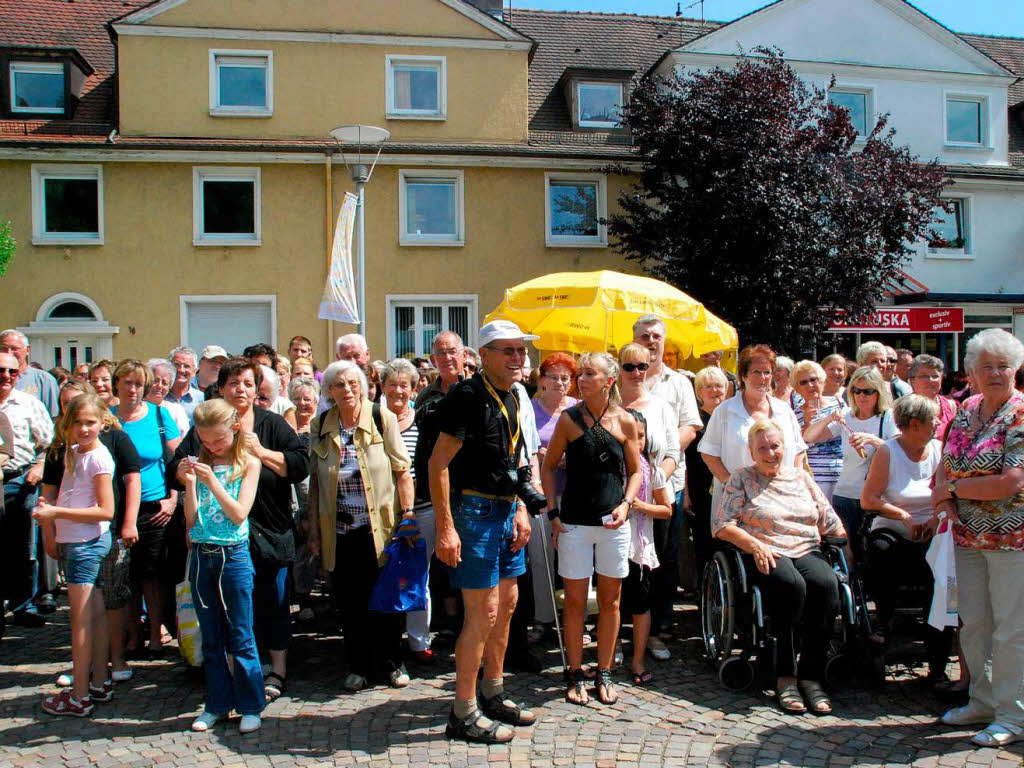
x=990 y=17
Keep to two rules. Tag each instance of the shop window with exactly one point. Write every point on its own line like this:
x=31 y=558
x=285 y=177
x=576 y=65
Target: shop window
x=575 y=209
x=226 y=206
x=67 y=204
x=431 y=208
x=37 y=87
x=241 y=83
x=413 y=321
x=416 y=87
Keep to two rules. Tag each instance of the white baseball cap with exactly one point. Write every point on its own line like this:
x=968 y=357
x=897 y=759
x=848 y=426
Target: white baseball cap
x=502 y=329
x=213 y=351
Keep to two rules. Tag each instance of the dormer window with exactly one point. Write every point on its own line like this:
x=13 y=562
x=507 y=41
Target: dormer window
x=598 y=104
x=241 y=83
x=37 y=87
x=965 y=120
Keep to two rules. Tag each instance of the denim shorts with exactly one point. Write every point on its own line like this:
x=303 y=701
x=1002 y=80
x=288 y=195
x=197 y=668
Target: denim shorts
x=485 y=527
x=82 y=559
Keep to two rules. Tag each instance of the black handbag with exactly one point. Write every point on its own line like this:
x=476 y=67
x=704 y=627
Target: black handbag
x=270 y=548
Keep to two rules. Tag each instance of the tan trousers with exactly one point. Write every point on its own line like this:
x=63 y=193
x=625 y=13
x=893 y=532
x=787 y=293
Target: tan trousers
x=991 y=601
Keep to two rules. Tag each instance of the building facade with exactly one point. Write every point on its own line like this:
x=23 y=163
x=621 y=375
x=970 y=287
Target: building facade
x=169 y=174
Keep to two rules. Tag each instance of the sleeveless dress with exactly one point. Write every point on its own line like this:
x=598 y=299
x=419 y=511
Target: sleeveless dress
x=595 y=469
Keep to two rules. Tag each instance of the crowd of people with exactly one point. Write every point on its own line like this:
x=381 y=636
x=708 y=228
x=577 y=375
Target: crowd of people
x=255 y=476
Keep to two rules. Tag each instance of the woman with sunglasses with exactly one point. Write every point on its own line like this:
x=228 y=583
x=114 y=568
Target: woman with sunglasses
x=864 y=425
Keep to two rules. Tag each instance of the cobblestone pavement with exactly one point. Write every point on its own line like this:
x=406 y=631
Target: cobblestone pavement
x=687 y=718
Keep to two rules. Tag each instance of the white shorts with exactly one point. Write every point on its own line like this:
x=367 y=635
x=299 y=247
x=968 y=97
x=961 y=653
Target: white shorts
x=584 y=549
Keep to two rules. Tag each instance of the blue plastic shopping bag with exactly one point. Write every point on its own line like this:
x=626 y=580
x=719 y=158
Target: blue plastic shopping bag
x=402 y=582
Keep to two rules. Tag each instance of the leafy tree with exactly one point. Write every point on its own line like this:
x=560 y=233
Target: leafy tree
x=754 y=198
x=7 y=246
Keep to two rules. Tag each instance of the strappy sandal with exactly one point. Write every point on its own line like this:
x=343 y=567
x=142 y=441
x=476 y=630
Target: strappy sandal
x=817 y=700
x=498 y=708
x=790 y=700
x=603 y=688
x=644 y=678
x=273 y=687
x=471 y=730
x=577 y=684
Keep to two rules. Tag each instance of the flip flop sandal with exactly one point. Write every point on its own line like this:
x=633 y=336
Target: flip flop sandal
x=604 y=687
x=273 y=687
x=469 y=730
x=577 y=684
x=497 y=708
x=790 y=700
x=644 y=678
x=815 y=697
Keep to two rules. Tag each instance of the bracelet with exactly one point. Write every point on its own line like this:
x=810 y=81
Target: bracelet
x=552 y=513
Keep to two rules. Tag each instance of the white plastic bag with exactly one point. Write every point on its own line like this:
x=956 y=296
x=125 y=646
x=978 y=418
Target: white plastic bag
x=942 y=560
x=190 y=642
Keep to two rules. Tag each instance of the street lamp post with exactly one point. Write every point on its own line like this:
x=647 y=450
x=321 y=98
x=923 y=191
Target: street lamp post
x=360 y=139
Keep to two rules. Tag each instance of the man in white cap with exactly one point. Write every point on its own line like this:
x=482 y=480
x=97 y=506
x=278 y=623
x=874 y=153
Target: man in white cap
x=475 y=477
x=210 y=361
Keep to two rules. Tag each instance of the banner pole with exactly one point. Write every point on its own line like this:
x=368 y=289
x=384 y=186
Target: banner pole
x=329 y=208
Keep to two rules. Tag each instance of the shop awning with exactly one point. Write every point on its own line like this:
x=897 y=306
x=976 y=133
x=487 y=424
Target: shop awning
x=904 y=287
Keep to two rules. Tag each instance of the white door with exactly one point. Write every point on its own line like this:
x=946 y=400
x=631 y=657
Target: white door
x=71 y=352
x=232 y=324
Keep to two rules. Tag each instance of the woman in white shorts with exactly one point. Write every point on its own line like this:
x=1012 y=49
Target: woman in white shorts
x=602 y=468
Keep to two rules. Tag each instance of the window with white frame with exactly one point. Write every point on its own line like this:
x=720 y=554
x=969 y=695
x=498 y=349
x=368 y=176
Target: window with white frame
x=414 y=320
x=575 y=208
x=416 y=87
x=241 y=83
x=226 y=206
x=67 y=204
x=232 y=321
x=857 y=102
x=950 y=229
x=965 y=121
x=598 y=104
x=431 y=208
x=37 y=87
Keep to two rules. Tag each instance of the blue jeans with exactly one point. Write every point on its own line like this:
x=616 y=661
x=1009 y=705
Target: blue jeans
x=485 y=528
x=270 y=601
x=222 y=587
x=18 y=531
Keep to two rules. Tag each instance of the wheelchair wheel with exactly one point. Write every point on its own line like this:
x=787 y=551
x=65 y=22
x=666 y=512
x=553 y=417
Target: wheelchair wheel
x=718 y=608
x=736 y=673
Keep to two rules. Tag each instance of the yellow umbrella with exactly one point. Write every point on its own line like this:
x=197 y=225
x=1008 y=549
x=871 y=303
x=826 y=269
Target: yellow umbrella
x=595 y=311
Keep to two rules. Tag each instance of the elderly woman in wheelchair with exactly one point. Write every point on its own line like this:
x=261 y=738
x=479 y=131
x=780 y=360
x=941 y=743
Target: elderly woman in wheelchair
x=898 y=498
x=778 y=517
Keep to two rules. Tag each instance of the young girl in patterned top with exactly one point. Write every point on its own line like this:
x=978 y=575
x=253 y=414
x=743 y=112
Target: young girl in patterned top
x=220 y=486
x=653 y=501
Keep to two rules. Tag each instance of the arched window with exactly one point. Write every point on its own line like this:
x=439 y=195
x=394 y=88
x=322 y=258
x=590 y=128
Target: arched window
x=71 y=310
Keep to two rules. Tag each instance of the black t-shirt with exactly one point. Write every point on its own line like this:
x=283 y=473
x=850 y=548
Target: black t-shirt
x=470 y=413
x=126 y=461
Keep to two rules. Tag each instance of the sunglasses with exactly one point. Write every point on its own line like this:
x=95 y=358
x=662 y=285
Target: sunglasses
x=10 y=371
x=891 y=360
x=859 y=391
x=630 y=367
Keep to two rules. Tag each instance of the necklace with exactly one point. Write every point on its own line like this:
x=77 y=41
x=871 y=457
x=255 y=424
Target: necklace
x=995 y=413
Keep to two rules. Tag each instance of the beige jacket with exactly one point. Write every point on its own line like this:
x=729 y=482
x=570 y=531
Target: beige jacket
x=379 y=457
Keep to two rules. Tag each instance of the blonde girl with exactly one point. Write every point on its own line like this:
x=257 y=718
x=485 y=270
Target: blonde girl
x=77 y=530
x=220 y=486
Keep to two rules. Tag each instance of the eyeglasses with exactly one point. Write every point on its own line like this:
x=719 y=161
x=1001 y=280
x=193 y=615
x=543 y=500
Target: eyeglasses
x=859 y=391
x=449 y=352
x=892 y=360
x=470 y=367
x=509 y=351
x=10 y=371
x=805 y=382
x=343 y=384
x=630 y=367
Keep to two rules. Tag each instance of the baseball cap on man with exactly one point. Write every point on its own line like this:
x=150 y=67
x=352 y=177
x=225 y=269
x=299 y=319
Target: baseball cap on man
x=502 y=329
x=213 y=351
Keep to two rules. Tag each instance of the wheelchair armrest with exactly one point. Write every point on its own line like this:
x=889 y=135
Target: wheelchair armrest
x=834 y=541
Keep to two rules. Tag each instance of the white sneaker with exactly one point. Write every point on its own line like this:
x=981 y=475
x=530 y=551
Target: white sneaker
x=122 y=675
x=658 y=649
x=65 y=680
x=205 y=721
x=996 y=735
x=399 y=678
x=971 y=714
x=249 y=723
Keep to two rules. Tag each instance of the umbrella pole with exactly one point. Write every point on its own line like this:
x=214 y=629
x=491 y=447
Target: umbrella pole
x=551 y=589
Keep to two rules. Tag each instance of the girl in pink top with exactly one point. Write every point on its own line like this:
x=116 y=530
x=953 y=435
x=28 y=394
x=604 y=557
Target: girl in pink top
x=77 y=530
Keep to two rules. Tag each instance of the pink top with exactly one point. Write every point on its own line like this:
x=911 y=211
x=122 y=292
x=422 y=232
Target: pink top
x=789 y=513
x=78 y=491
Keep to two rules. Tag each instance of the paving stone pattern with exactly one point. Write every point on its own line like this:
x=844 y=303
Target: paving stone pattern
x=685 y=719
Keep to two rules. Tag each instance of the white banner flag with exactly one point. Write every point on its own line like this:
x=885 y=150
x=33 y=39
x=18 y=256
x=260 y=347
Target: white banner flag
x=339 y=301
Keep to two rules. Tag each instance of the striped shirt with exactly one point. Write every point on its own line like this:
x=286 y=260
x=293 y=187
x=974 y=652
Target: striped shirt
x=825 y=459
x=409 y=437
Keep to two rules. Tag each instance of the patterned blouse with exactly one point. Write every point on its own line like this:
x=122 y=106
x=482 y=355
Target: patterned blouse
x=978 y=449
x=788 y=513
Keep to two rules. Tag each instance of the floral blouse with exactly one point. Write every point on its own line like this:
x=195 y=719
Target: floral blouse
x=979 y=449
x=789 y=513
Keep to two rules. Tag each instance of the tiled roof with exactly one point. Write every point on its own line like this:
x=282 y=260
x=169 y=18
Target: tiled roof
x=1008 y=51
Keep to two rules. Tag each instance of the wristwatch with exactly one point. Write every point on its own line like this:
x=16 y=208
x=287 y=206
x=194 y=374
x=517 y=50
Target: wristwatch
x=552 y=513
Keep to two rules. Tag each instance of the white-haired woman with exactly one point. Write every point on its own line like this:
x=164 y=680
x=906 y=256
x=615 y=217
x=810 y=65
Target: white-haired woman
x=269 y=396
x=825 y=458
x=867 y=423
x=980 y=485
x=163 y=378
x=711 y=386
x=398 y=380
x=355 y=470
x=776 y=513
x=782 y=388
x=602 y=478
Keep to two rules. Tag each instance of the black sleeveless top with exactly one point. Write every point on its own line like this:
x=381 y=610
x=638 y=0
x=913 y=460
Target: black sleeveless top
x=595 y=472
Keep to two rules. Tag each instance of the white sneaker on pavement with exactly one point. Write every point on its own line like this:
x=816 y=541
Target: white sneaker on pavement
x=657 y=648
x=249 y=723
x=206 y=721
x=970 y=714
x=122 y=675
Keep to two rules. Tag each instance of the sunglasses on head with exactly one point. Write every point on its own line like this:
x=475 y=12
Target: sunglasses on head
x=859 y=391
x=630 y=367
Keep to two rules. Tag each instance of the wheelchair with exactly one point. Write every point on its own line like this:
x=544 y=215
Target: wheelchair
x=737 y=631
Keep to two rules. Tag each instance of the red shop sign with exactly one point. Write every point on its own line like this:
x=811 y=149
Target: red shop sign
x=909 y=320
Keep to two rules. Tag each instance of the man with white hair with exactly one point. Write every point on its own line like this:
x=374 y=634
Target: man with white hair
x=352 y=347
x=31 y=380
x=185 y=363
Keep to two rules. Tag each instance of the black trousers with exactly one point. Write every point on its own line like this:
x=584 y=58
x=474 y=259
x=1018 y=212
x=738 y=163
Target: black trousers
x=373 y=641
x=802 y=592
